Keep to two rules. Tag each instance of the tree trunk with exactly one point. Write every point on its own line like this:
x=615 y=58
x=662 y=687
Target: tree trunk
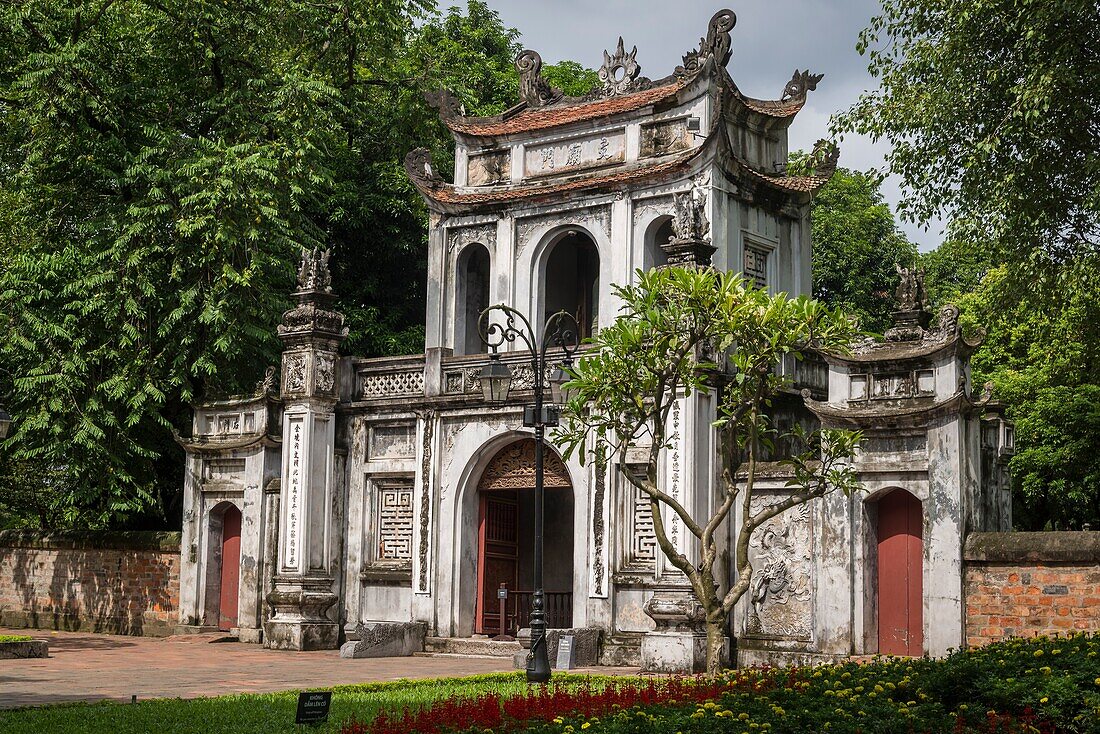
x=714 y=646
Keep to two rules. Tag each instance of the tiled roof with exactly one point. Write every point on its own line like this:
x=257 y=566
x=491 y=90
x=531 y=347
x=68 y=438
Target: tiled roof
x=772 y=108
x=535 y=118
x=803 y=184
x=449 y=195
x=571 y=110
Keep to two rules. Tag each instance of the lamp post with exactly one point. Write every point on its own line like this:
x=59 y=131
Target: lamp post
x=560 y=331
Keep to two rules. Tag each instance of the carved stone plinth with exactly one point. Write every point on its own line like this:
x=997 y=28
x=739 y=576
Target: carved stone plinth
x=679 y=644
x=299 y=621
x=689 y=253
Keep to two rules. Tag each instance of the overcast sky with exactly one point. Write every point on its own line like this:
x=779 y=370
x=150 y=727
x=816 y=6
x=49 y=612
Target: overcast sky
x=771 y=39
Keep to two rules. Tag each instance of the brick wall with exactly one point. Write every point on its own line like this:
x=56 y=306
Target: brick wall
x=121 y=583
x=1027 y=584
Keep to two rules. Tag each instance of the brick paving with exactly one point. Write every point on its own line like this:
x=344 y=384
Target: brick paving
x=89 y=667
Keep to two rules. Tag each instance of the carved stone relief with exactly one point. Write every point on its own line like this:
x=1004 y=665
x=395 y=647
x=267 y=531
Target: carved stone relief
x=597 y=218
x=514 y=468
x=325 y=372
x=661 y=138
x=294 y=374
x=459 y=237
x=485 y=169
x=781 y=550
x=425 y=498
x=660 y=206
x=390 y=442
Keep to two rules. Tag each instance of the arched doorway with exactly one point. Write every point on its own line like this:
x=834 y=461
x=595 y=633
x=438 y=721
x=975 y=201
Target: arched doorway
x=471 y=297
x=571 y=280
x=658 y=233
x=223 y=578
x=506 y=539
x=900 y=566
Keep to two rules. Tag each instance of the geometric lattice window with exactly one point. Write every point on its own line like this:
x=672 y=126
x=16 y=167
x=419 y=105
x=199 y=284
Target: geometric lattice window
x=756 y=265
x=643 y=543
x=639 y=540
x=394 y=523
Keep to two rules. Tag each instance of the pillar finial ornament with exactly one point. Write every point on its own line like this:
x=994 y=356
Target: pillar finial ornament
x=913 y=312
x=690 y=244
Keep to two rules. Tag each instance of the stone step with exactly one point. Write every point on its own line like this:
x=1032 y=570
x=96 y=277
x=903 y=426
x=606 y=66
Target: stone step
x=470 y=646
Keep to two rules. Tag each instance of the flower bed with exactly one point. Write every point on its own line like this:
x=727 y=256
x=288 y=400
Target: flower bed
x=1043 y=685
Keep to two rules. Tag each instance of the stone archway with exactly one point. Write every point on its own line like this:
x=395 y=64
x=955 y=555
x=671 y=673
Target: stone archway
x=900 y=537
x=506 y=538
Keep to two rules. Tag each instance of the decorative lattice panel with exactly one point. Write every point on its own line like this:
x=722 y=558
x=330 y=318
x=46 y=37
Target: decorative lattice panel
x=643 y=541
x=756 y=265
x=514 y=468
x=395 y=523
x=389 y=384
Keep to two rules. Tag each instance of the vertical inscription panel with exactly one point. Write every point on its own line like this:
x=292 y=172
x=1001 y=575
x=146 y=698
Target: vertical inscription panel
x=292 y=504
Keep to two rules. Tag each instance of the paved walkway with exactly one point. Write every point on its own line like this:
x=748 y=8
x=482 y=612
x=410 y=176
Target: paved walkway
x=87 y=667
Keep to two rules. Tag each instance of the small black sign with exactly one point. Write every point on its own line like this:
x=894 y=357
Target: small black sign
x=313 y=707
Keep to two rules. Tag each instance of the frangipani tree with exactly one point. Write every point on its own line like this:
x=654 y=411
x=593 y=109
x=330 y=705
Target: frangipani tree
x=698 y=330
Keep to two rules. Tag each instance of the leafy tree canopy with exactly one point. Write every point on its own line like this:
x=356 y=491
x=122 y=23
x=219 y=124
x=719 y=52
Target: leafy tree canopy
x=993 y=114
x=1042 y=352
x=856 y=245
x=682 y=331
x=161 y=165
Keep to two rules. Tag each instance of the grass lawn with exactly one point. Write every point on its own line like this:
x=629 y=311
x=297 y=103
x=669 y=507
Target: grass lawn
x=1046 y=685
x=263 y=713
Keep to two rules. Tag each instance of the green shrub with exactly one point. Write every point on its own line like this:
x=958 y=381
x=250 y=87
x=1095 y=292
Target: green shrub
x=15 y=638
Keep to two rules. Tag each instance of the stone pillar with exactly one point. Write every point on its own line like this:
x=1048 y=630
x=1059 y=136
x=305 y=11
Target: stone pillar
x=305 y=582
x=679 y=643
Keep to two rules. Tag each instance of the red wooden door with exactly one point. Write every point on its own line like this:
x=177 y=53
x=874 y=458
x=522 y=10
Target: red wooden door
x=497 y=559
x=900 y=590
x=231 y=568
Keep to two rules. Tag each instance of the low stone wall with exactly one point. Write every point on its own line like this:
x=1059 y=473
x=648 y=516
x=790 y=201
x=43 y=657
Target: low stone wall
x=120 y=583
x=1028 y=584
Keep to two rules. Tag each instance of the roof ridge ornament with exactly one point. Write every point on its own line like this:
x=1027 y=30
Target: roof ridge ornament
x=418 y=166
x=717 y=45
x=446 y=102
x=613 y=83
x=801 y=84
x=533 y=89
x=824 y=158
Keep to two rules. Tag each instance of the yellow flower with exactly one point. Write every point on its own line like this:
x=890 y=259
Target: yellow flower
x=1044 y=670
x=1038 y=653
x=585 y=725
x=1097 y=681
x=1044 y=699
x=559 y=720
x=743 y=716
x=710 y=705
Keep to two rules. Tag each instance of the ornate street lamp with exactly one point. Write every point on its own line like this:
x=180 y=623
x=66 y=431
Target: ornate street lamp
x=559 y=331
x=5 y=423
